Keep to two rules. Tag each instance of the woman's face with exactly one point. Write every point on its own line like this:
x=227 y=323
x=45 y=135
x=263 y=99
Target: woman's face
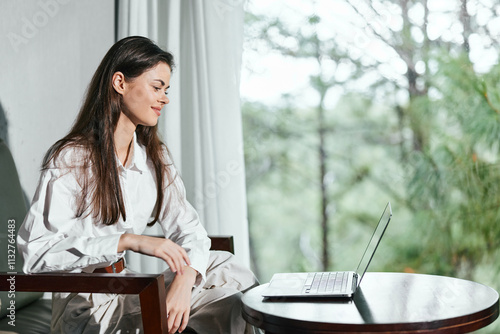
x=145 y=95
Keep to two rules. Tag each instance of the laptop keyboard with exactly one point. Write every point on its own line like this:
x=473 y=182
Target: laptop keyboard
x=328 y=282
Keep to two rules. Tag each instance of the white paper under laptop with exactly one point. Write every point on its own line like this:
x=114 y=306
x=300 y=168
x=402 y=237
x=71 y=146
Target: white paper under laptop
x=329 y=284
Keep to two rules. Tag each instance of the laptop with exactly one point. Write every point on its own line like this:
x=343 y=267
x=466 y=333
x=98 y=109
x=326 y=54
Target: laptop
x=328 y=284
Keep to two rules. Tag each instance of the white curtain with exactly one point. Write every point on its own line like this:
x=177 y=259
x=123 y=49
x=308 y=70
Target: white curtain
x=203 y=124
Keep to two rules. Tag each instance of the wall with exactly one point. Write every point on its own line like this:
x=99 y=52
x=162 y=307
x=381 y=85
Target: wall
x=49 y=50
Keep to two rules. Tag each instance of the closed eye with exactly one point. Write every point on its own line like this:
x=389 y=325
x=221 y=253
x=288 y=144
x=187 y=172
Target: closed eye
x=157 y=89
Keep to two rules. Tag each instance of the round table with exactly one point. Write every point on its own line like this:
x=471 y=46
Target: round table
x=384 y=302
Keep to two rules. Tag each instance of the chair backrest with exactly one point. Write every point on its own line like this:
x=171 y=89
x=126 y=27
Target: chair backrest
x=12 y=212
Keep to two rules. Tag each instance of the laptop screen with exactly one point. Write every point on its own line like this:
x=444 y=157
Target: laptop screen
x=374 y=241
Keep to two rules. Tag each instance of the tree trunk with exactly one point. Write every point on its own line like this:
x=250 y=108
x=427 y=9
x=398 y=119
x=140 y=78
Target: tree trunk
x=325 y=258
x=465 y=20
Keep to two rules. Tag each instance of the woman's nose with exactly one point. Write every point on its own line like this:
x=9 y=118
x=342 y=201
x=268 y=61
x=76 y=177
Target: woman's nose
x=164 y=99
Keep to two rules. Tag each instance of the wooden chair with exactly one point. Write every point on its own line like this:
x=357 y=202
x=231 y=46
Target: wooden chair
x=149 y=287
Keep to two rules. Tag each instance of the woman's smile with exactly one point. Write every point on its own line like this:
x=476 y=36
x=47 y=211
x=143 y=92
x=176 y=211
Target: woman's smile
x=157 y=110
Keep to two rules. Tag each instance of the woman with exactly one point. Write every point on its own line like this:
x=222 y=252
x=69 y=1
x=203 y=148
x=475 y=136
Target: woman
x=102 y=184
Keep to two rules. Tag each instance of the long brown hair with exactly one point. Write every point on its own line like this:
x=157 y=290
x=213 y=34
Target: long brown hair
x=93 y=131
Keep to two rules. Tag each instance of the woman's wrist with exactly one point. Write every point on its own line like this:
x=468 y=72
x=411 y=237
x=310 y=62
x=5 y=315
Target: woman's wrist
x=189 y=276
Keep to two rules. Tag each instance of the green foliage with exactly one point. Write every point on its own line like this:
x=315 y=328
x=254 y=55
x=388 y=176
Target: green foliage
x=454 y=181
x=471 y=100
x=280 y=174
x=283 y=186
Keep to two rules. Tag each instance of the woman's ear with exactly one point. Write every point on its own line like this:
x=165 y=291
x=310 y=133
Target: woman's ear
x=119 y=83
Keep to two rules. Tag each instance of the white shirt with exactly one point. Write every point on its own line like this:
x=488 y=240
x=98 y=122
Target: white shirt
x=52 y=238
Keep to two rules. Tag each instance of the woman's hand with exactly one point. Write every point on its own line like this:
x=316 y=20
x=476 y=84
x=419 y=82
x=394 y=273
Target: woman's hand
x=179 y=300
x=174 y=255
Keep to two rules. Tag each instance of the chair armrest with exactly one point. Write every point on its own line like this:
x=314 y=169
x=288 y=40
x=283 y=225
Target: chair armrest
x=149 y=287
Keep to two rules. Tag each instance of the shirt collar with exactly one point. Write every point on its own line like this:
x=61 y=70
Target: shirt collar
x=138 y=157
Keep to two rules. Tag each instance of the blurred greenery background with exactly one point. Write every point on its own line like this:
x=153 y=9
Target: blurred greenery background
x=376 y=101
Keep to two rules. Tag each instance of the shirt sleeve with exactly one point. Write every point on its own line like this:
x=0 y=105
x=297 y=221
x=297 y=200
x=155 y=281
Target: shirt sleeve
x=52 y=238
x=180 y=223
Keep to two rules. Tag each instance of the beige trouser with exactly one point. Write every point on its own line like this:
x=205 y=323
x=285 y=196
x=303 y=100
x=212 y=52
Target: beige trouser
x=215 y=306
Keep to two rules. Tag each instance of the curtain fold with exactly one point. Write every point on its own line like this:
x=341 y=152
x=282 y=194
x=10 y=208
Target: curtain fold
x=203 y=125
